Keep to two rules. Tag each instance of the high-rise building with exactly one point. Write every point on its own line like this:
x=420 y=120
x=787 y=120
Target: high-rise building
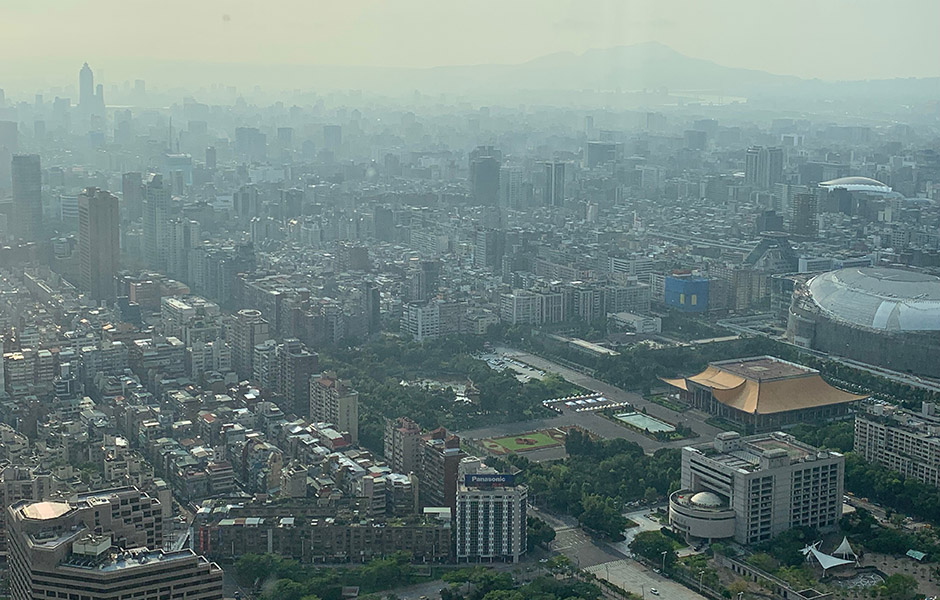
x=248 y=330
x=403 y=445
x=210 y=158
x=86 y=88
x=491 y=516
x=489 y=245
x=755 y=488
x=333 y=401
x=102 y=546
x=156 y=222
x=803 y=210
x=554 y=191
x=763 y=167
x=99 y=242
x=132 y=194
x=484 y=175
x=511 y=187
x=295 y=366
x=27 y=196
x=440 y=460
x=332 y=137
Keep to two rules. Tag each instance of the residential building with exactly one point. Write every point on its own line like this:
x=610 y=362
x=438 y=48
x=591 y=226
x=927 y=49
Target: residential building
x=333 y=401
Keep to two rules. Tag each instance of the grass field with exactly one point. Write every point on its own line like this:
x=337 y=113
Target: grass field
x=525 y=441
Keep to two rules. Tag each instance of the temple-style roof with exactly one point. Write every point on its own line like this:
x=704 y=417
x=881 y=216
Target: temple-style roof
x=765 y=385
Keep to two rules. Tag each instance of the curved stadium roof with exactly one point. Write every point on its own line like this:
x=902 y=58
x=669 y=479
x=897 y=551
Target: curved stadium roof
x=857 y=184
x=892 y=300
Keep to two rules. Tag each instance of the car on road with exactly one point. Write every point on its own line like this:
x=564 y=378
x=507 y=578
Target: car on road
x=654 y=591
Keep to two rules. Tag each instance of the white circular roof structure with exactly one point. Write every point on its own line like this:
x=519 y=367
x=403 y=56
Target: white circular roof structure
x=707 y=499
x=857 y=184
x=892 y=300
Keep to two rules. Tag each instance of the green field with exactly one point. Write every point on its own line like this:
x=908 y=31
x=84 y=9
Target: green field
x=525 y=441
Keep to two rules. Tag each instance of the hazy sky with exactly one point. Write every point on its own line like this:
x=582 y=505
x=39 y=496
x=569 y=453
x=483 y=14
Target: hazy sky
x=831 y=39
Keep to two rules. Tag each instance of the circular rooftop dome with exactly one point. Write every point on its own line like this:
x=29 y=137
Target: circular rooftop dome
x=891 y=300
x=707 y=499
x=857 y=184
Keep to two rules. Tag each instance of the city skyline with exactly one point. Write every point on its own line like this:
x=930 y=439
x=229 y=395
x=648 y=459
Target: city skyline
x=397 y=35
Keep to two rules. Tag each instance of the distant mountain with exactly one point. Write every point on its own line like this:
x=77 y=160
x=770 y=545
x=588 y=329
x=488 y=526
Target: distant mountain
x=564 y=77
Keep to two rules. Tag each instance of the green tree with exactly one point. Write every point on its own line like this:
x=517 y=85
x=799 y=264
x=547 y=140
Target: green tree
x=651 y=545
x=538 y=533
x=897 y=587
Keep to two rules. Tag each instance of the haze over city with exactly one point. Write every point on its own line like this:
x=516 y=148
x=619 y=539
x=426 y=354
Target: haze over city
x=421 y=300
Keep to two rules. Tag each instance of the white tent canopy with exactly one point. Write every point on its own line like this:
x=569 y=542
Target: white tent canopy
x=827 y=561
x=845 y=549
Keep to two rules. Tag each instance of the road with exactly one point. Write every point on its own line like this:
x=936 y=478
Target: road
x=593 y=422
x=634 y=577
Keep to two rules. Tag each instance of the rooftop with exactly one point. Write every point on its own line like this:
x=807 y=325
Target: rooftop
x=765 y=385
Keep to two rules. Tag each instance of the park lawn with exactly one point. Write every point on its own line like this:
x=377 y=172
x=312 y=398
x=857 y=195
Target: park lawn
x=541 y=440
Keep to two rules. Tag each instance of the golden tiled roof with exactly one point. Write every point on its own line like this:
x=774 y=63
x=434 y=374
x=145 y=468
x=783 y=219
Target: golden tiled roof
x=767 y=397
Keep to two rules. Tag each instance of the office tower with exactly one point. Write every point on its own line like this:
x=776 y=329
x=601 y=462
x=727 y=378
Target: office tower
x=554 y=191
x=755 y=488
x=695 y=139
x=250 y=144
x=383 y=223
x=132 y=195
x=484 y=175
x=511 y=187
x=295 y=367
x=210 y=157
x=247 y=201
x=803 y=215
x=9 y=143
x=99 y=245
x=156 y=217
x=248 y=330
x=372 y=306
x=333 y=401
x=182 y=236
x=332 y=137
x=602 y=152
x=403 y=445
x=102 y=546
x=86 y=89
x=763 y=167
x=27 y=196
x=491 y=517
x=488 y=248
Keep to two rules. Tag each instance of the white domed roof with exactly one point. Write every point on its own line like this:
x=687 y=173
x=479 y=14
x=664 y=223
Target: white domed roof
x=708 y=499
x=880 y=298
x=856 y=184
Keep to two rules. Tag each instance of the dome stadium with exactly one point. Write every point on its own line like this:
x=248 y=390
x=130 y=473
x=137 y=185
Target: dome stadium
x=879 y=298
x=882 y=316
x=857 y=184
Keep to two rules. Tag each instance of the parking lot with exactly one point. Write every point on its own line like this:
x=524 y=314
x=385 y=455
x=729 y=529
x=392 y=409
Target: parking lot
x=635 y=578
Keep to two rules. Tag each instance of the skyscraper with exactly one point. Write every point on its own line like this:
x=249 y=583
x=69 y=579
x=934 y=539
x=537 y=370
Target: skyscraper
x=27 y=196
x=763 y=167
x=156 y=216
x=132 y=195
x=484 y=175
x=249 y=330
x=98 y=242
x=554 y=193
x=803 y=215
x=86 y=88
